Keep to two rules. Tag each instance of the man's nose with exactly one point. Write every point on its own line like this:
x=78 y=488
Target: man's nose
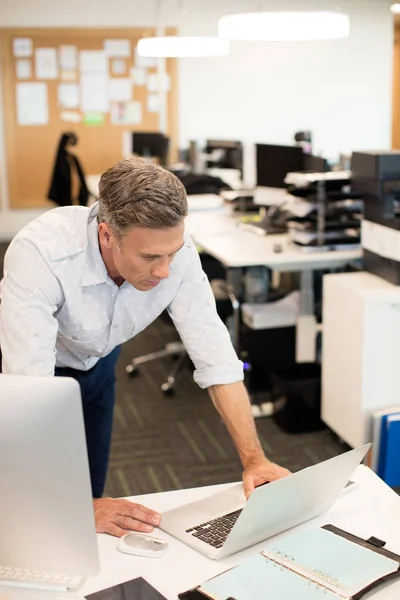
x=161 y=269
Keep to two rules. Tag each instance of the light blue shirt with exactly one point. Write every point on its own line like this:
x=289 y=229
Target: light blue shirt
x=60 y=308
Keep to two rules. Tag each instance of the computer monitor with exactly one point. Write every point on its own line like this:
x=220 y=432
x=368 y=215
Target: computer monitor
x=151 y=145
x=46 y=507
x=316 y=164
x=229 y=157
x=273 y=162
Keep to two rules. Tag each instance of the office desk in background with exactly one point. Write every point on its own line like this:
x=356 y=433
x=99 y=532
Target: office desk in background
x=370 y=509
x=213 y=227
x=216 y=233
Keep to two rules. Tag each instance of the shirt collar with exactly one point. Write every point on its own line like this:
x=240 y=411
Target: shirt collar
x=95 y=271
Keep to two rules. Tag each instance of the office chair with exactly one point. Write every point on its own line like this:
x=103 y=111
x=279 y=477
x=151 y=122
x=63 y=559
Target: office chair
x=223 y=295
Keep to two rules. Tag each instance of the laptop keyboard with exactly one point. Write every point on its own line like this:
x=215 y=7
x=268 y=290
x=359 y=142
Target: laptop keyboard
x=38 y=579
x=216 y=531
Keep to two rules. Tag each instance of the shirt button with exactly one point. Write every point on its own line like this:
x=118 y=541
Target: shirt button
x=81 y=244
x=74 y=337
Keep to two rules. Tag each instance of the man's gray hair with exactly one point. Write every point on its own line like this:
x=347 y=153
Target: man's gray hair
x=138 y=193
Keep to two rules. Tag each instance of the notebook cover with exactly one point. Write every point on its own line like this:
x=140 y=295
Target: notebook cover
x=195 y=594
x=373 y=548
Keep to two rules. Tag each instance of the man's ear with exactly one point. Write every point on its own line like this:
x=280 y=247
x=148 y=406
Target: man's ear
x=106 y=236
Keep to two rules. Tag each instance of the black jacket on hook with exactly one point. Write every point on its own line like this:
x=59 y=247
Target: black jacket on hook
x=60 y=187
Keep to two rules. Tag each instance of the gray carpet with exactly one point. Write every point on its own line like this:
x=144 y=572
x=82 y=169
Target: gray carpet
x=163 y=443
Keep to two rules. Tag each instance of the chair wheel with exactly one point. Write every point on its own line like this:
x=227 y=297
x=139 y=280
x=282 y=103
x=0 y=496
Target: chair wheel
x=132 y=370
x=167 y=389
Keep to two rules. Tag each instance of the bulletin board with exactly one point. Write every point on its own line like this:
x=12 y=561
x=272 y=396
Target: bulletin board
x=89 y=81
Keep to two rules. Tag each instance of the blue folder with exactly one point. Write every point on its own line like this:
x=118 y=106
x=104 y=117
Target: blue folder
x=389 y=451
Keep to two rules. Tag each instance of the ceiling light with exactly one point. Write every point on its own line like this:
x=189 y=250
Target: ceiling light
x=180 y=47
x=395 y=8
x=284 y=26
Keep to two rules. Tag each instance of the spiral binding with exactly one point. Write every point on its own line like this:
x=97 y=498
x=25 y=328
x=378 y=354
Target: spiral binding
x=320 y=579
x=277 y=557
x=326 y=579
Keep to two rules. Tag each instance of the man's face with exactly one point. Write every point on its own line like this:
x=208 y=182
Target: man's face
x=143 y=255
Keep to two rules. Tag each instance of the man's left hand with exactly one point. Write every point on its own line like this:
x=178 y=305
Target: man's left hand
x=260 y=471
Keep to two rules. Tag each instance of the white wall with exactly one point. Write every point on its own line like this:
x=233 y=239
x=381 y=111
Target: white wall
x=261 y=92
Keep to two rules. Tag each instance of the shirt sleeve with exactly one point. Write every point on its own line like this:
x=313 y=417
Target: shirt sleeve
x=204 y=335
x=30 y=296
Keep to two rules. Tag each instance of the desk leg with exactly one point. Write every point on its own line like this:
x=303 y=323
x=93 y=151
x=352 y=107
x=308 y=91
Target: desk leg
x=306 y=322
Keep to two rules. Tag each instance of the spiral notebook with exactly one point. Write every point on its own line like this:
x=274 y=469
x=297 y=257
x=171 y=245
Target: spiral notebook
x=327 y=560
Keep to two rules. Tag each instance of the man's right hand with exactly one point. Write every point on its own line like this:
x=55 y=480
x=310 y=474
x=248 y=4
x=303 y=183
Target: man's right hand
x=118 y=517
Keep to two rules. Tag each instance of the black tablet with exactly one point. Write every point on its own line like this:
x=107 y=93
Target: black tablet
x=135 y=589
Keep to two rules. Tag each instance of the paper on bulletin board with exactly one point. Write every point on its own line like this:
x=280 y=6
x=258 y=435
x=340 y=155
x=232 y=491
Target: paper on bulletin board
x=23 y=68
x=32 y=103
x=93 y=118
x=145 y=62
x=120 y=89
x=126 y=113
x=118 y=66
x=94 y=92
x=22 y=47
x=70 y=116
x=164 y=82
x=46 y=63
x=68 y=75
x=68 y=95
x=152 y=82
x=158 y=82
x=138 y=76
x=93 y=61
x=153 y=103
x=68 y=57
x=119 y=48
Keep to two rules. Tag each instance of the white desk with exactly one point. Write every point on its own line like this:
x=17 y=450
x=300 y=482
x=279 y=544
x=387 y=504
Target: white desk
x=217 y=233
x=370 y=509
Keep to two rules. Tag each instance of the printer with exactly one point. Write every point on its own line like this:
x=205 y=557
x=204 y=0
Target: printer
x=376 y=175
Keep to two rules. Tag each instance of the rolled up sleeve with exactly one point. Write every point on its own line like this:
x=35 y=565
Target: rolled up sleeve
x=30 y=296
x=204 y=335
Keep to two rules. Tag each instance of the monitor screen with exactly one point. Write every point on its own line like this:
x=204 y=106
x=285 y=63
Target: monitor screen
x=230 y=157
x=150 y=145
x=316 y=164
x=273 y=162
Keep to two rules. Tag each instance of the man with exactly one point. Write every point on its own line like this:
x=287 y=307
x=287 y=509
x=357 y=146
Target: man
x=78 y=282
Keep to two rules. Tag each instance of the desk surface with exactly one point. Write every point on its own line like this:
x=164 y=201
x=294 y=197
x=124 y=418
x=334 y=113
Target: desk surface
x=182 y=567
x=217 y=233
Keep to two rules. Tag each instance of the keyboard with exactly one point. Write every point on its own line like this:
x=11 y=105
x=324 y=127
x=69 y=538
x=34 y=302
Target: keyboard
x=216 y=531
x=38 y=579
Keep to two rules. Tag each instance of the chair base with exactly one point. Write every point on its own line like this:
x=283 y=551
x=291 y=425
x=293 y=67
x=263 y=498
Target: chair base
x=175 y=349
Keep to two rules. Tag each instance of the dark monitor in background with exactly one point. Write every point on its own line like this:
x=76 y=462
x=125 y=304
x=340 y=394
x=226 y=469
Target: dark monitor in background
x=274 y=162
x=316 y=164
x=228 y=154
x=151 y=145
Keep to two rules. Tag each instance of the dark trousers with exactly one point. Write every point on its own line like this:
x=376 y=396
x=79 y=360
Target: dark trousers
x=98 y=399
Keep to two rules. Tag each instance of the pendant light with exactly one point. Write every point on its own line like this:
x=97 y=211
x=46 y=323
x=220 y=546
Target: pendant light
x=181 y=46
x=284 y=26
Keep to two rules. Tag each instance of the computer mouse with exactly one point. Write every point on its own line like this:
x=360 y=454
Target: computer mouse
x=141 y=544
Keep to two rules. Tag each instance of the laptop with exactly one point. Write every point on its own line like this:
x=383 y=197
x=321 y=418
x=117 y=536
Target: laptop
x=225 y=523
x=47 y=528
